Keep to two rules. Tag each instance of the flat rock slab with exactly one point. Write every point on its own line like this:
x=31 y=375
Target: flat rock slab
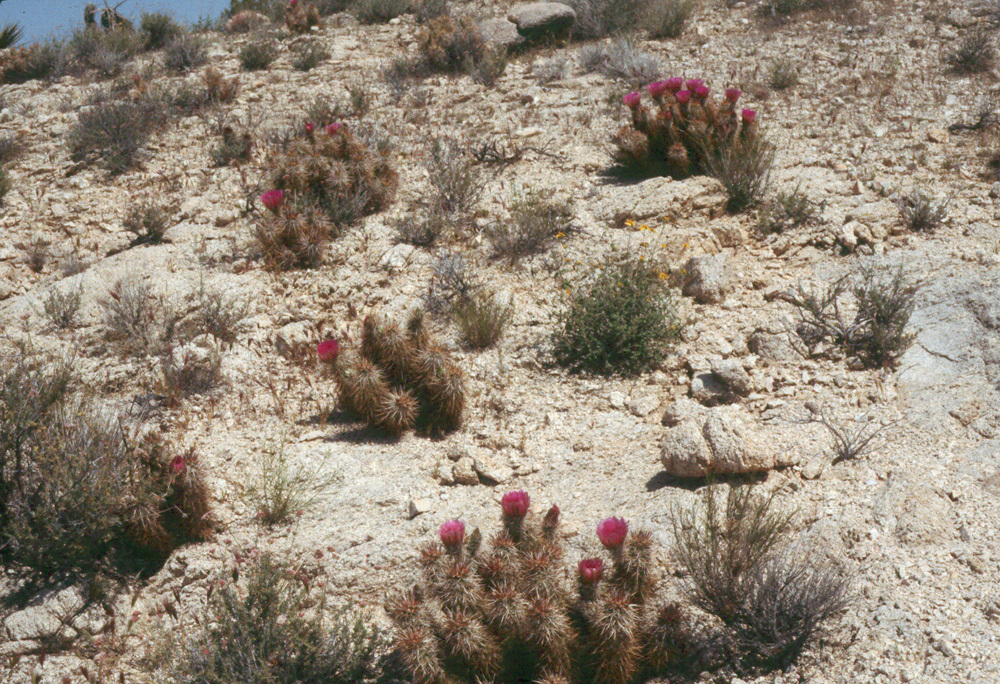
x=501 y=32
x=542 y=19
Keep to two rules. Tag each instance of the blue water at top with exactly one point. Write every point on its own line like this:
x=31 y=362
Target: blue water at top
x=43 y=18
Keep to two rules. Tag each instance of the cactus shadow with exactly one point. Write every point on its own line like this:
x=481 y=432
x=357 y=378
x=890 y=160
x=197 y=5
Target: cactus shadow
x=663 y=479
x=362 y=434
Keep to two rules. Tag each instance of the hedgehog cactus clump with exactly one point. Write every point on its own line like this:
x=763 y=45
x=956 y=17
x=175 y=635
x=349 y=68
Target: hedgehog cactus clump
x=399 y=379
x=687 y=129
x=504 y=613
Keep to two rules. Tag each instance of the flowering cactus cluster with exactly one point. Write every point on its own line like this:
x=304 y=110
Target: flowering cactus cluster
x=686 y=130
x=504 y=613
x=301 y=17
x=398 y=380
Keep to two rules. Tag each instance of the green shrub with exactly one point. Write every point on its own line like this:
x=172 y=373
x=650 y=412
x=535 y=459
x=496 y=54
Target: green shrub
x=148 y=221
x=601 y=18
x=114 y=132
x=285 y=489
x=185 y=52
x=483 y=318
x=379 y=11
x=921 y=213
x=667 y=18
x=744 y=169
x=6 y=184
x=10 y=35
x=619 y=320
x=160 y=29
x=61 y=307
x=534 y=222
x=456 y=180
x=307 y=56
x=258 y=53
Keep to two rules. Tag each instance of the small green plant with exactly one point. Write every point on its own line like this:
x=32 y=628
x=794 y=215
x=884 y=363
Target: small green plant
x=379 y=11
x=148 y=221
x=6 y=185
x=483 y=318
x=976 y=53
x=602 y=18
x=456 y=180
x=272 y=624
x=534 y=222
x=114 y=132
x=160 y=29
x=788 y=210
x=667 y=18
x=784 y=73
x=218 y=313
x=508 y=614
x=424 y=231
x=620 y=320
x=132 y=313
x=450 y=45
x=284 y=489
x=185 y=52
x=744 y=169
x=187 y=370
x=398 y=380
x=307 y=56
x=234 y=147
x=258 y=53
x=622 y=59
x=61 y=307
x=10 y=35
x=921 y=213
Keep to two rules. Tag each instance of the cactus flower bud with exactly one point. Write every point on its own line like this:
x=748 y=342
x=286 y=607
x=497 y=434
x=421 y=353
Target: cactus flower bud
x=328 y=350
x=612 y=532
x=701 y=93
x=551 y=520
x=748 y=116
x=452 y=534
x=178 y=466
x=683 y=96
x=733 y=94
x=331 y=128
x=590 y=570
x=273 y=199
x=657 y=89
x=675 y=84
x=515 y=504
x=310 y=127
x=632 y=100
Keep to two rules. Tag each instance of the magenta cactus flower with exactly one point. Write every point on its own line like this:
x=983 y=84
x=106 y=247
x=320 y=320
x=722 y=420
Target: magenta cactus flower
x=733 y=94
x=701 y=92
x=452 y=534
x=675 y=84
x=310 y=127
x=693 y=83
x=273 y=199
x=331 y=128
x=632 y=100
x=657 y=89
x=683 y=96
x=328 y=350
x=178 y=466
x=748 y=116
x=612 y=532
x=590 y=570
x=515 y=504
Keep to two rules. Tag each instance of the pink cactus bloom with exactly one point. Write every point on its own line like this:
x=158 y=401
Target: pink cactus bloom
x=310 y=127
x=273 y=199
x=590 y=570
x=515 y=504
x=701 y=92
x=632 y=100
x=748 y=116
x=331 y=128
x=612 y=532
x=452 y=533
x=292 y=4
x=683 y=96
x=657 y=89
x=675 y=84
x=328 y=350
x=733 y=94
x=178 y=466
x=693 y=83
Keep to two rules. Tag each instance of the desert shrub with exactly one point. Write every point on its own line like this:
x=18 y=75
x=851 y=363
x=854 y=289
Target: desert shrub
x=114 y=132
x=424 y=230
x=188 y=370
x=451 y=45
x=976 y=53
x=61 y=307
x=273 y=625
x=744 y=169
x=622 y=59
x=11 y=148
x=456 y=180
x=722 y=546
x=218 y=313
x=784 y=73
x=148 y=221
x=233 y=147
x=104 y=52
x=6 y=184
x=78 y=489
x=379 y=11
x=402 y=72
x=667 y=18
x=849 y=441
x=510 y=615
x=328 y=7
x=551 y=69
x=160 y=29
x=920 y=212
x=483 y=318
x=307 y=56
x=10 y=35
x=398 y=381
x=258 y=53
x=284 y=489
x=786 y=600
x=788 y=210
x=600 y=18
x=301 y=17
x=452 y=284
x=185 y=52
x=490 y=67
x=272 y=9
x=620 y=320
x=884 y=299
x=426 y=10
x=131 y=313
x=534 y=221
x=36 y=253
x=45 y=59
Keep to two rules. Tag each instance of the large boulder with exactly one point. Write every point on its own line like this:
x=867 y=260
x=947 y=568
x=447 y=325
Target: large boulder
x=501 y=32
x=538 y=20
x=727 y=442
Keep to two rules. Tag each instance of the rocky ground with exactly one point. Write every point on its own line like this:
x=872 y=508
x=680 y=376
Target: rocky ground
x=915 y=519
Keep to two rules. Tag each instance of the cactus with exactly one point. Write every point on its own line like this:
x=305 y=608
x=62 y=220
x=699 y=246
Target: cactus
x=686 y=131
x=398 y=380
x=504 y=613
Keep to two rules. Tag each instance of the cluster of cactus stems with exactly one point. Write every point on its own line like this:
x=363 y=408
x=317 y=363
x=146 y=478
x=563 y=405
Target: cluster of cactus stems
x=686 y=130
x=399 y=379
x=505 y=614
x=301 y=17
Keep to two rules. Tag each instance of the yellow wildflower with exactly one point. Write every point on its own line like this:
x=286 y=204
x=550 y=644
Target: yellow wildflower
x=629 y=222
x=560 y=234
x=662 y=276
